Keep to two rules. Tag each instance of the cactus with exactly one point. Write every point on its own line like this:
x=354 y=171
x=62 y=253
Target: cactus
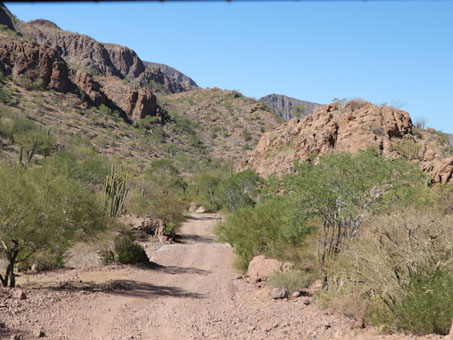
x=116 y=187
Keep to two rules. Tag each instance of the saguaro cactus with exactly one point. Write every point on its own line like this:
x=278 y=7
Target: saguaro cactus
x=116 y=187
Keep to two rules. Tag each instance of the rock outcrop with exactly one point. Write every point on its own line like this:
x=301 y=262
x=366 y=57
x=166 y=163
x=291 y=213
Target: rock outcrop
x=41 y=65
x=354 y=126
x=104 y=59
x=287 y=107
x=90 y=87
x=137 y=103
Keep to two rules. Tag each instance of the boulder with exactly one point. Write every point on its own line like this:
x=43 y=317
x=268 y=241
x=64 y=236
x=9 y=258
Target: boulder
x=261 y=268
x=279 y=293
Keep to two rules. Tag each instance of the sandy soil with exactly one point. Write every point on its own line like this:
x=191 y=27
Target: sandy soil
x=190 y=291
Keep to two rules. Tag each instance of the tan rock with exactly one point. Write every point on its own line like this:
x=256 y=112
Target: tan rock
x=350 y=128
x=261 y=268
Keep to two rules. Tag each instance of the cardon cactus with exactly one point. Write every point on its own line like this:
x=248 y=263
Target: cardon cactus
x=116 y=187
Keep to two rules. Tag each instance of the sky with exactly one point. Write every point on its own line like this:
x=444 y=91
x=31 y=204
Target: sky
x=394 y=52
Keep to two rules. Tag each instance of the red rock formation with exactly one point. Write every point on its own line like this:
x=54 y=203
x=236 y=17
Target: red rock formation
x=90 y=87
x=348 y=128
x=137 y=103
x=37 y=63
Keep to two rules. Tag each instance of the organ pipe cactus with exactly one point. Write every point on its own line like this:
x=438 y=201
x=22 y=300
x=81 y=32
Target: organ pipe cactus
x=116 y=187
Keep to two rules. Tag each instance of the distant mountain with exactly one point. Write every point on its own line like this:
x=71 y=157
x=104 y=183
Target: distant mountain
x=288 y=107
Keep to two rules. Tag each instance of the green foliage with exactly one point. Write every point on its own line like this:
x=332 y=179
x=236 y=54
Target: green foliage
x=127 y=251
x=407 y=148
x=273 y=227
x=43 y=209
x=246 y=135
x=339 y=101
x=427 y=306
x=36 y=142
x=239 y=190
x=147 y=123
x=116 y=188
x=344 y=189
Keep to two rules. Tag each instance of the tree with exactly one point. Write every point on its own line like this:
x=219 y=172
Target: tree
x=42 y=209
x=343 y=189
x=239 y=190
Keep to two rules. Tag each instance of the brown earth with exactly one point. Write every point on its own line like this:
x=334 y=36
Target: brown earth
x=189 y=292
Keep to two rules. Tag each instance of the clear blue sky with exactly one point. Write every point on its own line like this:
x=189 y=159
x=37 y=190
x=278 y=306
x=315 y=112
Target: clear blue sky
x=395 y=52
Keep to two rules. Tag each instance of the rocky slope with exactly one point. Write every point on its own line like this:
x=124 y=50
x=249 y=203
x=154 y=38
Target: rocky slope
x=227 y=123
x=101 y=59
x=350 y=128
x=288 y=107
x=180 y=77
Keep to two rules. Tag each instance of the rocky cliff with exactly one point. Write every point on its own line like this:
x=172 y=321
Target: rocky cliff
x=6 y=18
x=354 y=126
x=39 y=66
x=288 y=107
x=104 y=59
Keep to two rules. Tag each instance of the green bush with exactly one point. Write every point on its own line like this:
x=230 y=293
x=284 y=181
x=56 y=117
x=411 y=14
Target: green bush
x=127 y=251
x=427 y=306
x=274 y=227
x=43 y=210
x=239 y=190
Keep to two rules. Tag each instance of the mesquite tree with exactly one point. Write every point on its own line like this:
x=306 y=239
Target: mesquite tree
x=42 y=209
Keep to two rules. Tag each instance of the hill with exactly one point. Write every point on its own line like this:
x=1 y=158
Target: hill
x=354 y=126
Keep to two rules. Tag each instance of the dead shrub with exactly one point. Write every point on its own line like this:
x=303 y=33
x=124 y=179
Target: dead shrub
x=383 y=264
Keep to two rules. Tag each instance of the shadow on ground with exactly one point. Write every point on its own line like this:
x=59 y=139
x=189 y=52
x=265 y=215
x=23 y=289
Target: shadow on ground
x=174 y=270
x=129 y=288
x=190 y=239
x=201 y=218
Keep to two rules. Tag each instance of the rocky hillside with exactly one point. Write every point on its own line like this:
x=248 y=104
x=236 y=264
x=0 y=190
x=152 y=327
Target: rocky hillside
x=226 y=122
x=350 y=128
x=288 y=107
x=173 y=74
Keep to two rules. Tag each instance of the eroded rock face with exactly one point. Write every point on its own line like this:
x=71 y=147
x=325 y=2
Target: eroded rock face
x=137 y=103
x=348 y=128
x=37 y=63
x=90 y=87
x=82 y=50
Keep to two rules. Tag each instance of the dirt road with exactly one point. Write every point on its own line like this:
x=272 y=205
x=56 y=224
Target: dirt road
x=191 y=293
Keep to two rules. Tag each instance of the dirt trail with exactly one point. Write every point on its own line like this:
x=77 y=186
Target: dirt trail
x=191 y=293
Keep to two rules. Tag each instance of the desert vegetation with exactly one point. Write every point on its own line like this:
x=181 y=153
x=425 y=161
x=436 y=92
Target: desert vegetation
x=370 y=228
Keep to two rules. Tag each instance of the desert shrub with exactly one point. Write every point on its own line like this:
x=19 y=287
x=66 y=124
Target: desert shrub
x=273 y=227
x=293 y=280
x=147 y=123
x=205 y=189
x=343 y=189
x=407 y=149
x=36 y=142
x=239 y=190
x=127 y=251
x=401 y=267
x=43 y=210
